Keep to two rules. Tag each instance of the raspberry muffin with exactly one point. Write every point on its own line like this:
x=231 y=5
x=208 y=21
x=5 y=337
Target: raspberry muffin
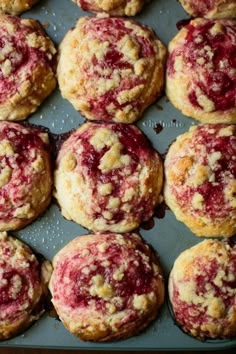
x=27 y=67
x=112 y=7
x=210 y=9
x=201 y=79
x=115 y=68
x=106 y=286
x=23 y=286
x=108 y=177
x=25 y=175
x=200 y=185
x=15 y=7
x=202 y=290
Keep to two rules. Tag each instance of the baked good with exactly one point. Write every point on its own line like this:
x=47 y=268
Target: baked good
x=108 y=177
x=106 y=286
x=210 y=9
x=115 y=68
x=15 y=7
x=202 y=290
x=25 y=175
x=200 y=186
x=201 y=79
x=27 y=67
x=23 y=286
x=112 y=7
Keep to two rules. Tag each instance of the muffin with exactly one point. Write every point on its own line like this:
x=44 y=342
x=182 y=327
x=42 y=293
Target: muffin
x=23 y=286
x=202 y=290
x=200 y=186
x=15 y=7
x=27 y=67
x=108 y=177
x=106 y=286
x=115 y=69
x=210 y=9
x=112 y=7
x=201 y=79
x=25 y=175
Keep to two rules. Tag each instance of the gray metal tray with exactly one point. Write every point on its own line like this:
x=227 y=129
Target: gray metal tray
x=51 y=232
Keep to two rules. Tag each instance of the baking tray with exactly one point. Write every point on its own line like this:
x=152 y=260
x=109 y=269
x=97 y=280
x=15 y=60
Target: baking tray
x=162 y=123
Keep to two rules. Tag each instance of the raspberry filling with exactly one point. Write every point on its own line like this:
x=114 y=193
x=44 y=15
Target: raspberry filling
x=26 y=145
x=224 y=170
x=138 y=148
x=84 y=5
x=18 y=59
x=202 y=7
x=113 y=30
x=211 y=57
x=136 y=278
x=16 y=284
x=192 y=315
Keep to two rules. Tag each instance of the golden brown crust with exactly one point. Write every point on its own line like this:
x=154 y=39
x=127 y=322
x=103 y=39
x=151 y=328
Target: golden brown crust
x=214 y=9
x=115 y=69
x=200 y=179
x=202 y=291
x=26 y=177
x=27 y=67
x=120 y=286
x=16 y=7
x=23 y=286
x=108 y=177
x=112 y=7
x=200 y=78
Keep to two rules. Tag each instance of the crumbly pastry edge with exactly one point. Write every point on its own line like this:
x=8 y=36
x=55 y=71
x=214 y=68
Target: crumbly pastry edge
x=151 y=92
x=223 y=9
x=209 y=227
x=182 y=267
x=115 y=8
x=98 y=330
x=16 y=7
x=75 y=208
x=13 y=329
x=30 y=95
x=38 y=208
x=180 y=86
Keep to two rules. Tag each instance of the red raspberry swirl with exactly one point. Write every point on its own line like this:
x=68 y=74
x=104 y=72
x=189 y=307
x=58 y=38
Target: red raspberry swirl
x=19 y=277
x=201 y=7
x=209 y=55
x=19 y=58
x=112 y=30
x=123 y=177
x=204 y=299
x=98 y=276
x=204 y=144
x=24 y=163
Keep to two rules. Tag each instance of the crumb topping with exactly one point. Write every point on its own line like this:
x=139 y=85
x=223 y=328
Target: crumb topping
x=19 y=276
x=117 y=172
x=24 y=165
x=202 y=289
x=114 y=63
x=114 y=7
x=21 y=48
x=119 y=277
x=201 y=169
x=206 y=54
